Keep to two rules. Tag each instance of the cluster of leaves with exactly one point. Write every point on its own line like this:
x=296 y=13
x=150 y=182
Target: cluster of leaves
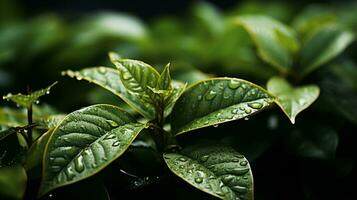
x=277 y=45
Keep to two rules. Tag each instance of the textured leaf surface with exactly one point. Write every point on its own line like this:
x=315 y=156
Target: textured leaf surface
x=27 y=100
x=177 y=89
x=215 y=101
x=292 y=100
x=219 y=171
x=323 y=46
x=138 y=78
x=109 y=79
x=85 y=142
x=275 y=42
x=12 y=182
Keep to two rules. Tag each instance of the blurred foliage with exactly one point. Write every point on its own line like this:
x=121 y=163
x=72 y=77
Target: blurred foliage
x=202 y=42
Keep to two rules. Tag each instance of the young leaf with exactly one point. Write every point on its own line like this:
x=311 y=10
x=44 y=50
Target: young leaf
x=84 y=143
x=164 y=82
x=292 y=100
x=215 y=101
x=276 y=43
x=177 y=89
x=13 y=182
x=27 y=100
x=323 y=46
x=108 y=78
x=219 y=171
x=138 y=77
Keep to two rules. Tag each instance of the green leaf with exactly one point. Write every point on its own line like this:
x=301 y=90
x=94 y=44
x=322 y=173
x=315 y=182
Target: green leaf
x=108 y=78
x=35 y=153
x=84 y=143
x=219 y=171
x=13 y=182
x=292 y=100
x=27 y=100
x=313 y=141
x=276 y=43
x=12 y=117
x=138 y=78
x=7 y=132
x=215 y=101
x=177 y=90
x=164 y=82
x=323 y=46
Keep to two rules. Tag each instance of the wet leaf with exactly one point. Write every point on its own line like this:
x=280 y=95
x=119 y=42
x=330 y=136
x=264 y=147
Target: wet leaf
x=139 y=79
x=292 y=100
x=177 y=89
x=219 y=171
x=215 y=101
x=164 y=82
x=7 y=132
x=108 y=78
x=323 y=46
x=84 y=143
x=13 y=182
x=276 y=43
x=27 y=100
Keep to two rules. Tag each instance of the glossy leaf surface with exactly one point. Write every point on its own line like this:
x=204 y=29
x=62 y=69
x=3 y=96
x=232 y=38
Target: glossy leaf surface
x=292 y=100
x=109 y=79
x=219 y=171
x=275 y=42
x=323 y=46
x=215 y=101
x=13 y=182
x=85 y=142
x=27 y=100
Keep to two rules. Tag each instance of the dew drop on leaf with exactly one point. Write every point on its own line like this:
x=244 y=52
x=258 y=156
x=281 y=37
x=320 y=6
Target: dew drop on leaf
x=112 y=123
x=211 y=95
x=102 y=70
x=182 y=159
x=248 y=111
x=198 y=180
x=233 y=84
x=116 y=143
x=215 y=126
x=255 y=105
x=243 y=163
x=78 y=164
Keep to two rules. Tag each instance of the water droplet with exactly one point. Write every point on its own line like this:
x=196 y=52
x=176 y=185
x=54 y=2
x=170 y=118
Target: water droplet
x=182 y=159
x=204 y=158
x=126 y=75
x=79 y=78
x=198 y=180
x=102 y=70
x=243 y=163
x=116 y=143
x=255 y=105
x=246 y=118
x=78 y=164
x=47 y=92
x=189 y=171
x=233 y=84
x=226 y=95
x=69 y=173
x=112 y=123
x=234 y=111
x=211 y=95
x=215 y=126
x=240 y=156
x=109 y=137
x=242 y=108
x=248 y=111
x=181 y=166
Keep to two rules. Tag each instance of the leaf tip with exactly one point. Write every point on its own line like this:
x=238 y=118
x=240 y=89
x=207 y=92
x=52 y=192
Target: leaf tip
x=113 y=56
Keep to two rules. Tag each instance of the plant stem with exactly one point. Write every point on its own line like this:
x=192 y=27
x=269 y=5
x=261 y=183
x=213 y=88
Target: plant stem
x=29 y=121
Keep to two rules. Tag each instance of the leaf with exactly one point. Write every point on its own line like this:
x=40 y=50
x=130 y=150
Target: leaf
x=7 y=132
x=27 y=100
x=13 y=182
x=292 y=100
x=84 y=143
x=164 y=82
x=36 y=151
x=138 y=77
x=108 y=78
x=314 y=141
x=219 y=171
x=323 y=46
x=215 y=101
x=276 y=43
x=177 y=89
x=209 y=17
x=11 y=151
x=51 y=121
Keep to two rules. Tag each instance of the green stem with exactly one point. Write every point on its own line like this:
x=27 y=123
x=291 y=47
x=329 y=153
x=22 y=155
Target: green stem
x=29 y=122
